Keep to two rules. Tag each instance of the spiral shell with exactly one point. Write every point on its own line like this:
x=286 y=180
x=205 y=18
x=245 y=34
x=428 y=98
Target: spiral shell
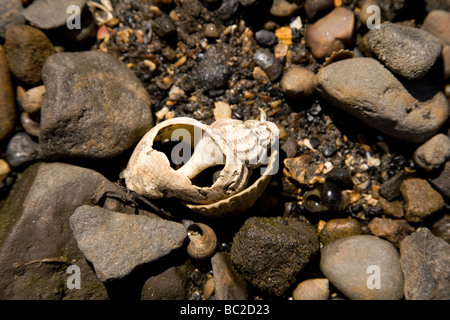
x=203 y=241
x=149 y=172
x=241 y=201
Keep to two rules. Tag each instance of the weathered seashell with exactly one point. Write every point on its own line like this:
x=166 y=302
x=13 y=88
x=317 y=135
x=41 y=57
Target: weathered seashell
x=243 y=200
x=149 y=171
x=251 y=140
x=325 y=198
x=203 y=241
x=339 y=55
x=102 y=11
x=240 y=149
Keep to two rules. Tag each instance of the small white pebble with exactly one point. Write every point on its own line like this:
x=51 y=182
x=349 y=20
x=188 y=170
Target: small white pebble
x=296 y=23
x=328 y=167
x=222 y=110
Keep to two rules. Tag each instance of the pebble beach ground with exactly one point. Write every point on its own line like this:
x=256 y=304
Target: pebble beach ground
x=358 y=207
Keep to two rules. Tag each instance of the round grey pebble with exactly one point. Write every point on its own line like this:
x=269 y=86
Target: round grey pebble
x=21 y=149
x=265 y=38
x=363 y=267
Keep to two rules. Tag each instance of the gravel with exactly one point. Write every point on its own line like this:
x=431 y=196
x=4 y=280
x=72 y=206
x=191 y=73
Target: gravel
x=363 y=164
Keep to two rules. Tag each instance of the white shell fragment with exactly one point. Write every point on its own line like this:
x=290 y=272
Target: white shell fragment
x=232 y=147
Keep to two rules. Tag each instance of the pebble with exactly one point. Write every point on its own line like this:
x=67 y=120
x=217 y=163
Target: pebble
x=368 y=91
x=213 y=71
x=31 y=100
x=313 y=7
x=392 y=42
x=373 y=211
x=209 y=288
x=437 y=23
x=94 y=107
x=284 y=36
x=268 y=63
x=331 y=33
x=392 y=208
x=340 y=228
x=247 y=3
x=27 y=48
x=425 y=260
x=7 y=106
x=46 y=15
x=116 y=243
x=352 y=265
x=421 y=200
x=442 y=181
x=340 y=177
x=222 y=110
x=22 y=149
x=264 y=246
x=298 y=82
x=312 y=289
x=227 y=9
x=260 y=76
x=265 y=38
x=228 y=285
x=284 y=8
x=393 y=230
x=171 y=284
x=446 y=61
x=437 y=5
x=164 y=27
x=328 y=151
x=4 y=169
x=441 y=228
x=390 y=189
x=433 y=153
x=10 y=13
x=211 y=31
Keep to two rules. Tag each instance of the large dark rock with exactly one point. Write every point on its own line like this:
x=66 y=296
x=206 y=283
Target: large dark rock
x=36 y=242
x=94 y=107
x=425 y=260
x=270 y=252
